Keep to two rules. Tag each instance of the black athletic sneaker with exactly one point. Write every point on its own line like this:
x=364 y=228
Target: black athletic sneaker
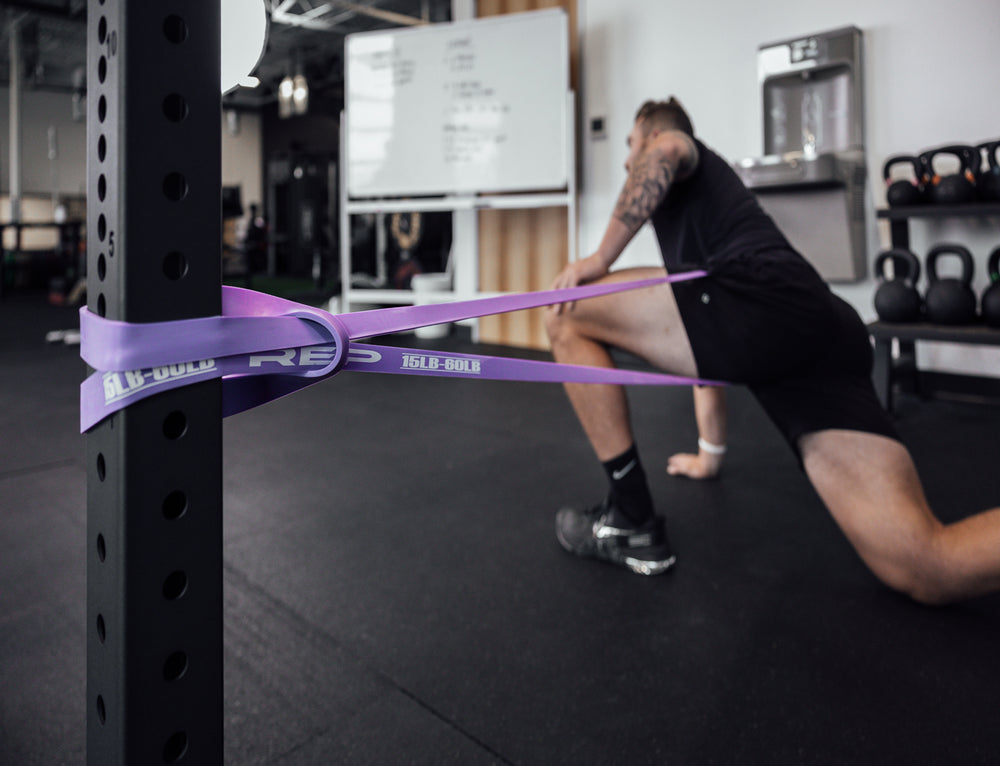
x=603 y=532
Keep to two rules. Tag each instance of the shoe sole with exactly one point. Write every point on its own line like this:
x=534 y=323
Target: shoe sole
x=647 y=567
x=638 y=566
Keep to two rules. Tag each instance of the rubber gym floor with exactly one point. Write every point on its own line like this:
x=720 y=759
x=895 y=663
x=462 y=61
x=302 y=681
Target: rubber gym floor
x=394 y=593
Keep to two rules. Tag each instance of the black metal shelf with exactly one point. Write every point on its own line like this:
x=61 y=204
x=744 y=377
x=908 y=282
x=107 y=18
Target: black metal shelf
x=939 y=210
x=974 y=333
x=887 y=371
x=899 y=217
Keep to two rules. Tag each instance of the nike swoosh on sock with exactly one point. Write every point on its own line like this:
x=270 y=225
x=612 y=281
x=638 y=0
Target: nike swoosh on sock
x=621 y=473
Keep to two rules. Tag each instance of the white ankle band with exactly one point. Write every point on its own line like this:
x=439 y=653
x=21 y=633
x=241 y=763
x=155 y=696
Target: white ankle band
x=711 y=449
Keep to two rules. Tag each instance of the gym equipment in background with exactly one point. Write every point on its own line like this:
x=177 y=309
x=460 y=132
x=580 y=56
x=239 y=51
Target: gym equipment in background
x=952 y=188
x=897 y=299
x=901 y=192
x=950 y=300
x=988 y=180
x=990 y=302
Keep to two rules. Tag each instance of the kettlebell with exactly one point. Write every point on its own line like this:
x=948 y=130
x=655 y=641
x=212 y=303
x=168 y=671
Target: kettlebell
x=988 y=181
x=991 y=297
x=901 y=192
x=950 y=300
x=897 y=299
x=956 y=187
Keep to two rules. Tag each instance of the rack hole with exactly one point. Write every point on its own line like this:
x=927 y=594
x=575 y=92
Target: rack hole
x=175 y=585
x=174 y=505
x=175 y=29
x=102 y=227
x=175 y=666
x=175 y=187
x=102 y=30
x=102 y=68
x=175 y=265
x=102 y=713
x=102 y=108
x=102 y=187
x=102 y=266
x=102 y=467
x=175 y=425
x=102 y=550
x=101 y=631
x=102 y=307
x=102 y=148
x=175 y=747
x=175 y=107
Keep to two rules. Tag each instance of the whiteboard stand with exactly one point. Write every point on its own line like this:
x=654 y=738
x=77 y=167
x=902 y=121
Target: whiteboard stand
x=464 y=263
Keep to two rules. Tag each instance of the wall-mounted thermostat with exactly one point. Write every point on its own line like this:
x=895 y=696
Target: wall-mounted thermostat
x=598 y=128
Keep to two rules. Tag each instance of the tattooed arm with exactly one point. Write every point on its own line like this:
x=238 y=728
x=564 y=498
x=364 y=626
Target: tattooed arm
x=650 y=179
x=666 y=157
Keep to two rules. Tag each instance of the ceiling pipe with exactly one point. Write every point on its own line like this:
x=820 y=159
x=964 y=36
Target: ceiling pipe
x=313 y=19
x=378 y=13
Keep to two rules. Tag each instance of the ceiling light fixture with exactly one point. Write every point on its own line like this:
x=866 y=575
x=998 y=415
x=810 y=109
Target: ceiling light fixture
x=300 y=94
x=285 y=91
x=293 y=92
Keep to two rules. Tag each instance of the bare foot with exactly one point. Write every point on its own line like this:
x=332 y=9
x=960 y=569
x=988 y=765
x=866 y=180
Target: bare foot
x=700 y=466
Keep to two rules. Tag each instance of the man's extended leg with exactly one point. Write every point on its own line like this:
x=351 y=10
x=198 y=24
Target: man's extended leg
x=623 y=529
x=871 y=487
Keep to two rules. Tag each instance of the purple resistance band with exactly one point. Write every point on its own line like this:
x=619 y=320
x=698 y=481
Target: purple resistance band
x=265 y=347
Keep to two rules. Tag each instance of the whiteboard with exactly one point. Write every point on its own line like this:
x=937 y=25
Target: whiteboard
x=461 y=107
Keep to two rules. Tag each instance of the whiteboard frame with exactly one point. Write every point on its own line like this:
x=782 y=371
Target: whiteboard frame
x=568 y=117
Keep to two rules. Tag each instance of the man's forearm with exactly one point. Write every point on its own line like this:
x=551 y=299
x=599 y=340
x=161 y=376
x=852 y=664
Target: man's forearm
x=616 y=236
x=710 y=413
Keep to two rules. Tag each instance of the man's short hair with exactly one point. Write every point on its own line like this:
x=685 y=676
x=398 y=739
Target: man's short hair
x=665 y=115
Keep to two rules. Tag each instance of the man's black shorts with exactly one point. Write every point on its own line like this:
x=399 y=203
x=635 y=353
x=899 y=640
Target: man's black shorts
x=770 y=322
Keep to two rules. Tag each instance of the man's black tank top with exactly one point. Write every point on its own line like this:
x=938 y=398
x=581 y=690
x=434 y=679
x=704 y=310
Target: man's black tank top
x=711 y=217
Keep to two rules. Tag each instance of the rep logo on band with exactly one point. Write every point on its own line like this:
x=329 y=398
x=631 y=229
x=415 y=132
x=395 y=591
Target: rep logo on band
x=311 y=356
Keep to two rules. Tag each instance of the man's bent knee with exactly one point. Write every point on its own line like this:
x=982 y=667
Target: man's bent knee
x=571 y=325
x=925 y=590
x=924 y=577
x=557 y=326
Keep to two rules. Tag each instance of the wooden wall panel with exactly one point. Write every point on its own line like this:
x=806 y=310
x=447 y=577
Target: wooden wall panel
x=523 y=250
x=520 y=251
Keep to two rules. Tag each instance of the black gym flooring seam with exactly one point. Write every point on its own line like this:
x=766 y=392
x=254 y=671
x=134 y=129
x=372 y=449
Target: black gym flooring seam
x=37 y=468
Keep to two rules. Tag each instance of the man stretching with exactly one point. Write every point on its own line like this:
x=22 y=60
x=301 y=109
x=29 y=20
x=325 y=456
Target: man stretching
x=764 y=318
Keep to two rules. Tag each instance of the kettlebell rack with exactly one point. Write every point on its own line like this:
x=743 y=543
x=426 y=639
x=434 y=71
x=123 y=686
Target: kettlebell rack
x=887 y=372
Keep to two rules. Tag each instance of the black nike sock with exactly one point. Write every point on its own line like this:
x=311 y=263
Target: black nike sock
x=629 y=489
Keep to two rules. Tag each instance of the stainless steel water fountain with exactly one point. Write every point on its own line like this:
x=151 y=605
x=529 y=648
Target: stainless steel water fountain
x=811 y=179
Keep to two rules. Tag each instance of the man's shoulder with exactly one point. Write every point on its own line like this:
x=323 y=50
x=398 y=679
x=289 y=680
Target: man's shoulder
x=681 y=148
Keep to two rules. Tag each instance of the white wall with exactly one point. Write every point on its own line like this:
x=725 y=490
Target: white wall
x=67 y=174
x=930 y=79
x=243 y=158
